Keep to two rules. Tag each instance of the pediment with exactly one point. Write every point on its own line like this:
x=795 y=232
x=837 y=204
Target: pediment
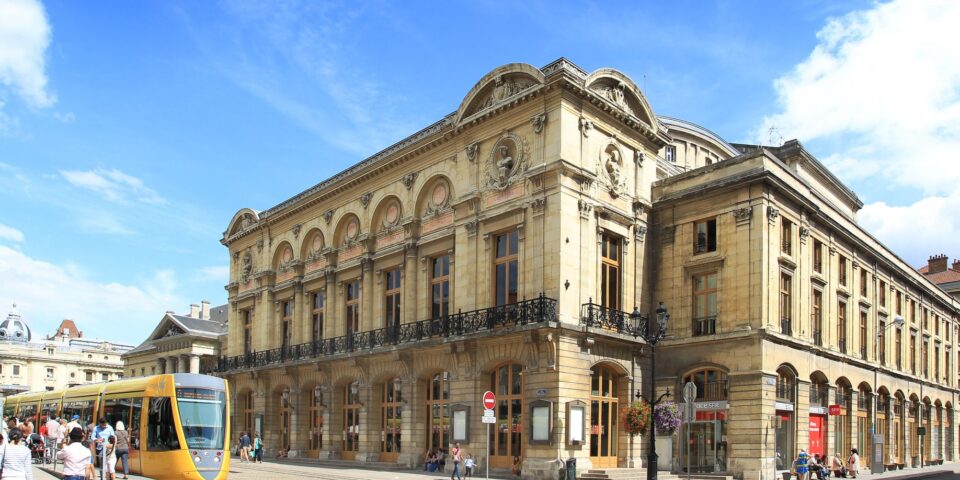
x=620 y=90
x=499 y=87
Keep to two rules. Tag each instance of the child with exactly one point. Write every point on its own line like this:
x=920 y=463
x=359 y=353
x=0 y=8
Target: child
x=111 y=457
x=468 y=466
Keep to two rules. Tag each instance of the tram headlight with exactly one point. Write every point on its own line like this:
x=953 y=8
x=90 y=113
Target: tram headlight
x=216 y=459
x=196 y=459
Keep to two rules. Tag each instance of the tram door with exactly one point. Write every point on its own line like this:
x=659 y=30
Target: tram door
x=133 y=456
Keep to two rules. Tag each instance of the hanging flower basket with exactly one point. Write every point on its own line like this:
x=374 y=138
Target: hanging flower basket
x=636 y=418
x=666 y=416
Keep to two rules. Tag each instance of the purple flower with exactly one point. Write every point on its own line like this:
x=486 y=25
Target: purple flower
x=666 y=417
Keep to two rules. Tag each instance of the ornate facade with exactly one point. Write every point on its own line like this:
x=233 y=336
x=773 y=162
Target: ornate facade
x=28 y=364
x=502 y=248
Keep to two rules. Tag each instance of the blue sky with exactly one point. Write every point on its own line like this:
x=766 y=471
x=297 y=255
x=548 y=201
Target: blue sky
x=131 y=132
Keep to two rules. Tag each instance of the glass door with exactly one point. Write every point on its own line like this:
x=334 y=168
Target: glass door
x=603 y=417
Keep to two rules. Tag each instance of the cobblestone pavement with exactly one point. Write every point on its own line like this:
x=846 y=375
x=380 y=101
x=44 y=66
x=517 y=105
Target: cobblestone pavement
x=271 y=470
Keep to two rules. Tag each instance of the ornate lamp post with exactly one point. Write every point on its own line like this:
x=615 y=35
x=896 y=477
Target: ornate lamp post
x=652 y=338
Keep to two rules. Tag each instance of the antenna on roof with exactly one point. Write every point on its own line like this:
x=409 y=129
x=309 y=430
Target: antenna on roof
x=775 y=138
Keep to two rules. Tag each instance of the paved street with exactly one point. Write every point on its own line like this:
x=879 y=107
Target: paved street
x=246 y=471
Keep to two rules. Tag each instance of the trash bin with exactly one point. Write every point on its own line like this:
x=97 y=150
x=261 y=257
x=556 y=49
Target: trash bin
x=571 y=469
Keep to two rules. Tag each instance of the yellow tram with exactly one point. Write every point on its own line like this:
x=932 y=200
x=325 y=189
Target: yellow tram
x=177 y=422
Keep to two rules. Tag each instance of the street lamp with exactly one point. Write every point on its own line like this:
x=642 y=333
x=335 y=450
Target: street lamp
x=652 y=338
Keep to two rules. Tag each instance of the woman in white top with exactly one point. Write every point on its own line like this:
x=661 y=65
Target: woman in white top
x=16 y=457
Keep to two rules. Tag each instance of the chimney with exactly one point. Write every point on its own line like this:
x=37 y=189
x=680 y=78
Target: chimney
x=956 y=266
x=194 y=310
x=171 y=312
x=205 y=310
x=937 y=264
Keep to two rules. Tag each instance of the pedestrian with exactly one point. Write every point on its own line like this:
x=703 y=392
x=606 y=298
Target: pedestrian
x=517 y=466
x=52 y=437
x=111 y=454
x=468 y=466
x=258 y=448
x=75 y=457
x=801 y=465
x=73 y=423
x=62 y=433
x=101 y=433
x=853 y=463
x=16 y=463
x=123 y=447
x=244 y=447
x=456 y=456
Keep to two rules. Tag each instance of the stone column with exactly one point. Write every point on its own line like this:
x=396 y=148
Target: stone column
x=301 y=316
x=411 y=439
x=194 y=363
x=330 y=434
x=369 y=439
x=171 y=364
x=298 y=435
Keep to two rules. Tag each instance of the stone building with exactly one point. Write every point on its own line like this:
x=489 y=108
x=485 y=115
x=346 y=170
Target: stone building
x=66 y=358
x=517 y=246
x=946 y=278
x=180 y=343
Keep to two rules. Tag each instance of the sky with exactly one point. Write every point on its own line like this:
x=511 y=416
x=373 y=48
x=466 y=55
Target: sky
x=131 y=132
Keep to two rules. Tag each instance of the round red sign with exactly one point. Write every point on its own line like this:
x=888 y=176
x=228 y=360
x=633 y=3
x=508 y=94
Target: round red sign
x=489 y=400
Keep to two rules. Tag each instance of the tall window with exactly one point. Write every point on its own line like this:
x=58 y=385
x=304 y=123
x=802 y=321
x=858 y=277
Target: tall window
x=505 y=265
x=352 y=291
x=392 y=417
x=287 y=309
x=351 y=421
x=899 y=303
x=786 y=303
x=936 y=362
x=786 y=237
x=842 y=270
x=705 y=304
x=440 y=286
x=610 y=271
x=816 y=317
x=863 y=334
x=925 y=357
x=864 y=291
x=438 y=411
x=817 y=256
x=913 y=352
x=883 y=294
x=926 y=318
x=247 y=331
x=246 y=412
x=316 y=422
x=507 y=382
x=603 y=414
x=882 y=340
x=842 y=326
x=319 y=299
x=670 y=153
x=785 y=419
x=705 y=236
x=391 y=299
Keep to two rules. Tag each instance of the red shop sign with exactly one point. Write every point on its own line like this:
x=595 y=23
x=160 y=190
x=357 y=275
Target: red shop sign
x=834 y=410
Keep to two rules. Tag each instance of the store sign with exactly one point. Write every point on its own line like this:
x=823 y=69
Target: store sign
x=783 y=406
x=710 y=405
x=834 y=409
x=818 y=410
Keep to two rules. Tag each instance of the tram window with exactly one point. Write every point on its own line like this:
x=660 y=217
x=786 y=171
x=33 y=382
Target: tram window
x=161 y=427
x=134 y=426
x=115 y=410
x=202 y=417
x=81 y=408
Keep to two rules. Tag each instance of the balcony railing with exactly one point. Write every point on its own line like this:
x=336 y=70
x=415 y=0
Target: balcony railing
x=598 y=316
x=819 y=394
x=785 y=390
x=785 y=326
x=535 y=311
x=712 y=391
x=705 y=325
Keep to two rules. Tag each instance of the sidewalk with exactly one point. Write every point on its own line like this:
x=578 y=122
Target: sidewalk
x=319 y=470
x=58 y=473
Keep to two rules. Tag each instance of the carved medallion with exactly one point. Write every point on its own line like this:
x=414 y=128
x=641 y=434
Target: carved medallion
x=507 y=161
x=317 y=243
x=439 y=198
x=611 y=167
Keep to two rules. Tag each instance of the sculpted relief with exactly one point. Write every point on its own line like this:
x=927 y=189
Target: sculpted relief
x=507 y=161
x=505 y=88
x=246 y=267
x=611 y=167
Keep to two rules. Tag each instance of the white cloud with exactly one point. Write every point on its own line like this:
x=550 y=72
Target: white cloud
x=24 y=37
x=113 y=185
x=10 y=233
x=216 y=272
x=883 y=86
x=46 y=293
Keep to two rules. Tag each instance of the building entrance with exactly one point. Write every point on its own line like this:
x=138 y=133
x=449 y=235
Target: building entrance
x=708 y=443
x=817 y=435
x=603 y=417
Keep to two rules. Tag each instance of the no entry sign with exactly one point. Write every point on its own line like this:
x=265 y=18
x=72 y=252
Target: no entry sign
x=489 y=400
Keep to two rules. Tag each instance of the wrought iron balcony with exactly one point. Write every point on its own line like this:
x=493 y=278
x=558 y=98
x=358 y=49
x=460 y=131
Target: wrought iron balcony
x=597 y=316
x=786 y=327
x=535 y=311
x=712 y=391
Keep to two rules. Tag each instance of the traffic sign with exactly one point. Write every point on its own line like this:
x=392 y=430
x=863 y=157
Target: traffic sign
x=489 y=400
x=488 y=416
x=689 y=392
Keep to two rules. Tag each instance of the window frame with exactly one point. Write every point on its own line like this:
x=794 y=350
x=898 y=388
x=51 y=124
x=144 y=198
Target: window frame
x=509 y=260
x=708 y=244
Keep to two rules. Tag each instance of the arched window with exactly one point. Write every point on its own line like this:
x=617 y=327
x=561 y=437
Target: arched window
x=316 y=420
x=438 y=411
x=843 y=422
x=864 y=438
x=785 y=417
x=507 y=382
x=711 y=384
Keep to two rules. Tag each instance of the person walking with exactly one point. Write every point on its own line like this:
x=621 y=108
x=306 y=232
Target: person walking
x=802 y=465
x=52 y=437
x=456 y=455
x=853 y=463
x=244 y=447
x=75 y=457
x=63 y=433
x=73 y=423
x=258 y=448
x=123 y=447
x=16 y=463
x=468 y=466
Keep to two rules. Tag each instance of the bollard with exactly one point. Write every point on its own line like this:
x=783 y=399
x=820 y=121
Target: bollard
x=571 y=469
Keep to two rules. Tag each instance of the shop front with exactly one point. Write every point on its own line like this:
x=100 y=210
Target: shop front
x=707 y=438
